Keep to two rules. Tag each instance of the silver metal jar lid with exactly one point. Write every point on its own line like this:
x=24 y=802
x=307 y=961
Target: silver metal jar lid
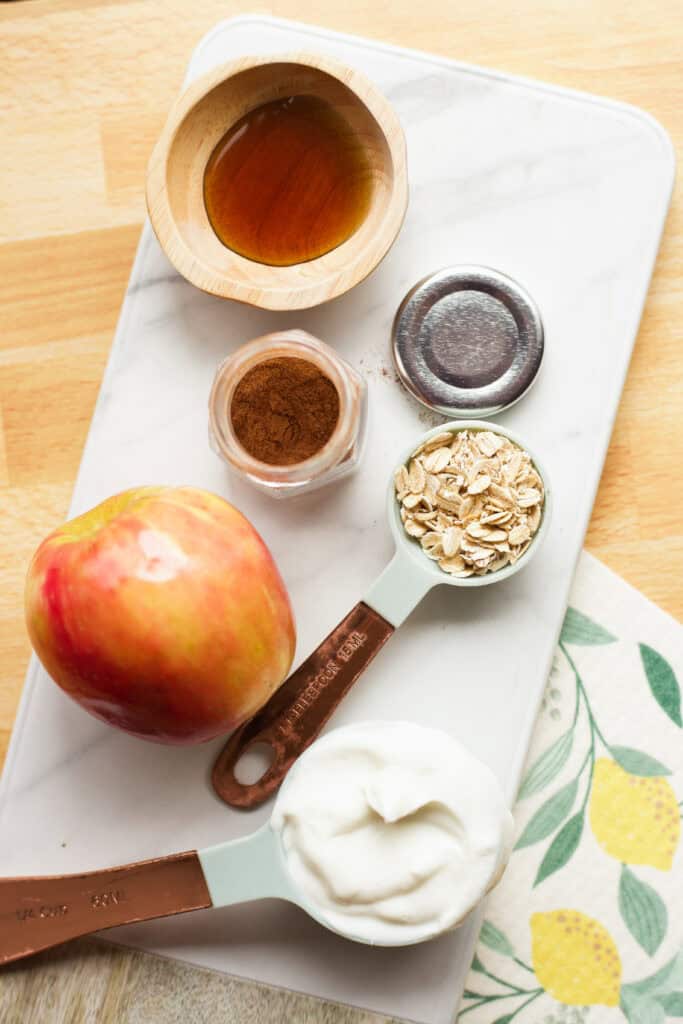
x=468 y=341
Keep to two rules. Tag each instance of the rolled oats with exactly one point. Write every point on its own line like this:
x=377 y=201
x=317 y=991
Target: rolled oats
x=518 y=534
x=433 y=442
x=425 y=517
x=481 y=483
x=413 y=528
x=495 y=536
x=476 y=529
x=401 y=481
x=528 y=496
x=411 y=500
x=432 y=545
x=437 y=460
x=453 y=564
x=416 y=477
x=473 y=499
x=487 y=442
x=451 y=541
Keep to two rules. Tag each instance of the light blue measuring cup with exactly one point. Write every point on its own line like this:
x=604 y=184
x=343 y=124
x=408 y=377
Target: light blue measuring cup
x=299 y=709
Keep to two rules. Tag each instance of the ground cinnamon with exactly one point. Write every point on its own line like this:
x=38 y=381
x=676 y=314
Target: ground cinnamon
x=284 y=410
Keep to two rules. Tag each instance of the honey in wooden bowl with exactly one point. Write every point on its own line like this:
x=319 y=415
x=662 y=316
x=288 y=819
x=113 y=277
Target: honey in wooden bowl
x=359 y=146
x=289 y=182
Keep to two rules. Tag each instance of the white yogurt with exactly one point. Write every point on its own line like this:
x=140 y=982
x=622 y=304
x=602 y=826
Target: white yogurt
x=392 y=831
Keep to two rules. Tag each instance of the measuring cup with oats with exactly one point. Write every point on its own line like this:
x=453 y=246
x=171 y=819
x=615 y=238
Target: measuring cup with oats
x=468 y=505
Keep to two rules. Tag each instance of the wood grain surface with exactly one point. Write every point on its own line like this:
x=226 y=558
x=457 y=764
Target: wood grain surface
x=84 y=90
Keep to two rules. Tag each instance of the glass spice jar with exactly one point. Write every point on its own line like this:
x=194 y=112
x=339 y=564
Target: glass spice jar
x=336 y=458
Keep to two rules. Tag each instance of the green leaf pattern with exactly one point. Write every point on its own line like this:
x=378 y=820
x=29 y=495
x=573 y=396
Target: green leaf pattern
x=548 y=766
x=579 y=629
x=551 y=814
x=672 y=1004
x=668 y=978
x=643 y=911
x=562 y=848
x=663 y=682
x=658 y=997
x=495 y=939
x=643 y=1010
x=637 y=763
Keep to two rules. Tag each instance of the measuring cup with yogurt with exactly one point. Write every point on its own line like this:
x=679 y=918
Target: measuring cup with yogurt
x=299 y=709
x=387 y=833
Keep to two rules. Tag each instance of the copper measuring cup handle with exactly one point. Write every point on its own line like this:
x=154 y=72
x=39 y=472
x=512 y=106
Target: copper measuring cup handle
x=298 y=710
x=37 y=913
x=295 y=714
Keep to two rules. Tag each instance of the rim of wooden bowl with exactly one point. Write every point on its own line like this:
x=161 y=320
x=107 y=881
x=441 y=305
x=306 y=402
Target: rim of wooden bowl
x=324 y=277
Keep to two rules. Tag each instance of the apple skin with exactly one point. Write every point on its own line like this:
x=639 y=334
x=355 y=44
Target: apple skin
x=162 y=612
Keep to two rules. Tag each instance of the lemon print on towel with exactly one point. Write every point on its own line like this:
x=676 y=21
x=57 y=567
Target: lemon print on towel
x=635 y=820
x=575 y=958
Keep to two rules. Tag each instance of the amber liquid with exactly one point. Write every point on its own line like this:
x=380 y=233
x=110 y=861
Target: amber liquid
x=289 y=182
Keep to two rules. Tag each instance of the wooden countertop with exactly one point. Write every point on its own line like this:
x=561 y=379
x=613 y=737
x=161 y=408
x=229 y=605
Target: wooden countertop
x=84 y=87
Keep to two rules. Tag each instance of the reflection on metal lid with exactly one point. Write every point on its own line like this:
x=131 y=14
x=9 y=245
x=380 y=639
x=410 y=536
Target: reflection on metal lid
x=468 y=341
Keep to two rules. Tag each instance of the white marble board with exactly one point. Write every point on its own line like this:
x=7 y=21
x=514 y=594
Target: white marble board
x=563 y=191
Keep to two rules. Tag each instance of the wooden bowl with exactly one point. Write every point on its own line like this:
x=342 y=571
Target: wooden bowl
x=199 y=119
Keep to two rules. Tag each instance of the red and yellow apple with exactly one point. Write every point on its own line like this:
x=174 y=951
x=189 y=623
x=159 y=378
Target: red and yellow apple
x=162 y=612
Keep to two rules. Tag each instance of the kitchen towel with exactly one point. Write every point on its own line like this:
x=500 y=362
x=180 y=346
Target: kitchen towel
x=586 y=926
